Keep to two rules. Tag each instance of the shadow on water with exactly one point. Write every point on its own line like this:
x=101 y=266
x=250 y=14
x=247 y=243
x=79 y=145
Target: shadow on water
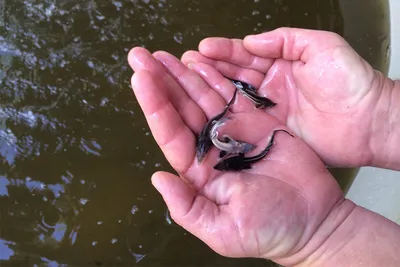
x=76 y=154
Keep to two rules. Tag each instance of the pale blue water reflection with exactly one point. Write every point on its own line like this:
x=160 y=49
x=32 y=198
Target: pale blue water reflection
x=5 y=251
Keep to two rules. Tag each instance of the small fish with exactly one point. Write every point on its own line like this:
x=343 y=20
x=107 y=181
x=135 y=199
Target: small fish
x=240 y=162
x=229 y=145
x=243 y=86
x=204 y=142
x=250 y=92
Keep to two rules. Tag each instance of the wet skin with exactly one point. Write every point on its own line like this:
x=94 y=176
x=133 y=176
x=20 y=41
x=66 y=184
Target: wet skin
x=204 y=142
x=240 y=162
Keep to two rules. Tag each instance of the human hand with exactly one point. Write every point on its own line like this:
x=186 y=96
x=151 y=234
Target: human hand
x=326 y=93
x=270 y=211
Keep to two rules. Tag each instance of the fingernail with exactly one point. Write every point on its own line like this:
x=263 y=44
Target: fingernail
x=156 y=183
x=253 y=36
x=190 y=65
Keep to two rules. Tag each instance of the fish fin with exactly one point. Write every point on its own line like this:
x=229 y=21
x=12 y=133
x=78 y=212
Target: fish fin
x=219 y=166
x=225 y=138
x=228 y=139
x=223 y=153
x=271 y=104
x=260 y=105
x=246 y=166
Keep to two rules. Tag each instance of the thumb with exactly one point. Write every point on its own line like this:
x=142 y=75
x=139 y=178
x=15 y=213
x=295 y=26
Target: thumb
x=177 y=194
x=192 y=211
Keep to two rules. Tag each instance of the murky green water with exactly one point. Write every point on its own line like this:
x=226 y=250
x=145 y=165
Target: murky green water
x=76 y=154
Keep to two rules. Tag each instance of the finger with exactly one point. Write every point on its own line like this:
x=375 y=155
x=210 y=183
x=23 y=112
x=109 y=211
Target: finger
x=186 y=207
x=140 y=59
x=233 y=51
x=197 y=214
x=207 y=99
x=227 y=69
x=192 y=56
x=177 y=194
x=171 y=133
x=222 y=85
x=214 y=79
x=292 y=43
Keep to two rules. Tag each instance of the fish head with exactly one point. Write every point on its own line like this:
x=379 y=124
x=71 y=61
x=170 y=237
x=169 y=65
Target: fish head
x=235 y=163
x=202 y=148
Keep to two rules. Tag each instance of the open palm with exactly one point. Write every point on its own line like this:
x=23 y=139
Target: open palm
x=268 y=211
x=326 y=93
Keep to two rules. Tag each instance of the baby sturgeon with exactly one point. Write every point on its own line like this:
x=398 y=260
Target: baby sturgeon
x=229 y=145
x=204 y=142
x=250 y=92
x=240 y=162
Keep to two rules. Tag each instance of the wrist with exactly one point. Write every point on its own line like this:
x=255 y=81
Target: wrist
x=351 y=236
x=307 y=255
x=385 y=127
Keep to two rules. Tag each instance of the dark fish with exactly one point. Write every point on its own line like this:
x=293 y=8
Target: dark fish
x=240 y=162
x=204 y=142
x=250 y=92
x=229 y=145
